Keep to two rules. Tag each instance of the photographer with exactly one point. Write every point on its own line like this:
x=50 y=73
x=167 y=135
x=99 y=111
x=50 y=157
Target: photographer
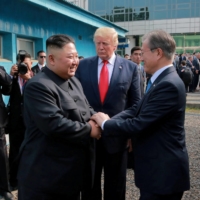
x=20 y=73
x=5 y=87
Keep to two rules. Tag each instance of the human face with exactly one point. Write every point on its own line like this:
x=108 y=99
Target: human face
x=149 y=57
x=64 y=62
x=28 y=62
x=42 y=58
x=104 y=47
x=136 y=56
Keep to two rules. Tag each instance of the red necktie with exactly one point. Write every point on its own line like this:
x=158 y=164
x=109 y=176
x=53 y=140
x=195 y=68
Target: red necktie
x=103 y=81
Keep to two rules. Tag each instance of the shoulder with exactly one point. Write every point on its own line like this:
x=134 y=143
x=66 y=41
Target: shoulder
x=34 y=67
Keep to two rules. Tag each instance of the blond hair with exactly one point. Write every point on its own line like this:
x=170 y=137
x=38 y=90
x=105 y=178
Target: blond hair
x=107 y=32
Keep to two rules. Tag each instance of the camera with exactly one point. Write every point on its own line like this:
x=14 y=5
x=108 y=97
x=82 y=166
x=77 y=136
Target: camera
x=22 y=67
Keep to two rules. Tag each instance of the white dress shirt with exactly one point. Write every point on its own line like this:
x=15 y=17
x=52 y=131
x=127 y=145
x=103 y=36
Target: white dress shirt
x=110 y=66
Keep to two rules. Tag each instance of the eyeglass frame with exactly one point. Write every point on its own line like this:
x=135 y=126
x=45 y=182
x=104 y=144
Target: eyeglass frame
x=142 y=52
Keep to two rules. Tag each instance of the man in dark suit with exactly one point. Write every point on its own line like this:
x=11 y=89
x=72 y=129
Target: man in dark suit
x=157 y=124
x=41 y=56
x=57 y=151
x=16 y=127
x=123 y=90
x=196 y=64
x=5 y=87
x=136 y=58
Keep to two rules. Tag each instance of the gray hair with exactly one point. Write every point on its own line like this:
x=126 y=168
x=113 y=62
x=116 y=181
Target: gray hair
x=163 y=40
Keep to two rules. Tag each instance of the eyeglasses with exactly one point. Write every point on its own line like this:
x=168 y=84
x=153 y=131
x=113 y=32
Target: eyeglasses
x=42 y=56
x=142 y=53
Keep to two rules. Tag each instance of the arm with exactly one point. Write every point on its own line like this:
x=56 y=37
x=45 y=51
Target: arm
x=5 y=81
x=134 y=94
x=162 y=103
x=41 y=105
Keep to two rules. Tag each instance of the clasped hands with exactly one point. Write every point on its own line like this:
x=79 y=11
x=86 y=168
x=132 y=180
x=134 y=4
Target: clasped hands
x=96 y=121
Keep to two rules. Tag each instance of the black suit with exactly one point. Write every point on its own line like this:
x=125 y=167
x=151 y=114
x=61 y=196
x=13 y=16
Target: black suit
x=5 y=86
x=57 y=151
x=196 y=64
x=157 y=124
x=16 y=127
x=36 y=69
x=124 y=91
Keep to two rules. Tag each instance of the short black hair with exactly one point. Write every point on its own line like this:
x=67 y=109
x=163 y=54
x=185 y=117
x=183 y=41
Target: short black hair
x=135 y=49
x=126 y=55
x=80 y=57
x=59 y=40
x=183 y=62
x=26 y=55
x=39 y=52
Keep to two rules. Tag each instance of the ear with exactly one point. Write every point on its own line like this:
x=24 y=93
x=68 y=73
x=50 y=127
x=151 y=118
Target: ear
x=51 y=59
x=160 y=53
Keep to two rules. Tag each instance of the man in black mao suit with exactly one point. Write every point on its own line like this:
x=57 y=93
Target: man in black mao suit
x=123 y=91
x=5 y=87
x=156 y=124
x=57 y=151
x=41 y=56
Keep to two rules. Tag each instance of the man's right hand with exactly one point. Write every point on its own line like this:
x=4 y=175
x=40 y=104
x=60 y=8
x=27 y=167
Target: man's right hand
x=95 y=131
x=13 y=70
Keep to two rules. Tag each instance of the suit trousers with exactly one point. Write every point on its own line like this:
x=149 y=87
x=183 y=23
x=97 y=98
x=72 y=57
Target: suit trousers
x=3 y=162
x=16 y=138
x=150 y=196
x=195 y=82
x=26 y=193
x=114 y=166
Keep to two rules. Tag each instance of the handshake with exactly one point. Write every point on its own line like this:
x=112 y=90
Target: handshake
x=96 y=121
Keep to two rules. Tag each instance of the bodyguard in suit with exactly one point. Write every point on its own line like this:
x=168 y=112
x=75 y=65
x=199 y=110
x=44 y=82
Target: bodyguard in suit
x=41 y=56
x=110 y=84
x=57 y=151
x=5 y=87
x=136 y=58
x=157 y=124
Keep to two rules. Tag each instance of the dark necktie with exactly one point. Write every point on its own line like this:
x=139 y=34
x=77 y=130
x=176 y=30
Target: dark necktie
x=148 y=85
x=103 y=81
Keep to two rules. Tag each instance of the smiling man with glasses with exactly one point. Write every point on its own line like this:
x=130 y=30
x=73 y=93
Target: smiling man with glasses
x=41 y=56
x=156 y=124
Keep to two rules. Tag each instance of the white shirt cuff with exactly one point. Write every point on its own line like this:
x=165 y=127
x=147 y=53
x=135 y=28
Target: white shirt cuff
x=102 y=125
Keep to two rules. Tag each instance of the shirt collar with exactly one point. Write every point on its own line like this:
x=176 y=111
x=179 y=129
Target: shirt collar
x=110 y=61
x=158 y=72
x=40 y=66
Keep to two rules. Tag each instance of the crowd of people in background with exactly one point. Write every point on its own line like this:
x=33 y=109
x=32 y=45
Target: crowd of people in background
x=52 y=117
x=187 y=66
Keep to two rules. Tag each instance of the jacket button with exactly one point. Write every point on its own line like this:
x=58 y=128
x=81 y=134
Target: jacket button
x=83 y=113
x=75 y=100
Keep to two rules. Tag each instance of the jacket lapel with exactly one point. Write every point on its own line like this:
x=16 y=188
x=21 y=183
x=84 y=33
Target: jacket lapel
x=94 y=77
x=115 y=76
x=158 y=79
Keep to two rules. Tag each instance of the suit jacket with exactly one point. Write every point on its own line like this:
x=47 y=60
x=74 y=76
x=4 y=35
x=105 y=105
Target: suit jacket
x=123 y=92
x=5 y=87
x=157 y=124
x=196 y=63
x=35 y=69
x=15 y=103
x=57 y=144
